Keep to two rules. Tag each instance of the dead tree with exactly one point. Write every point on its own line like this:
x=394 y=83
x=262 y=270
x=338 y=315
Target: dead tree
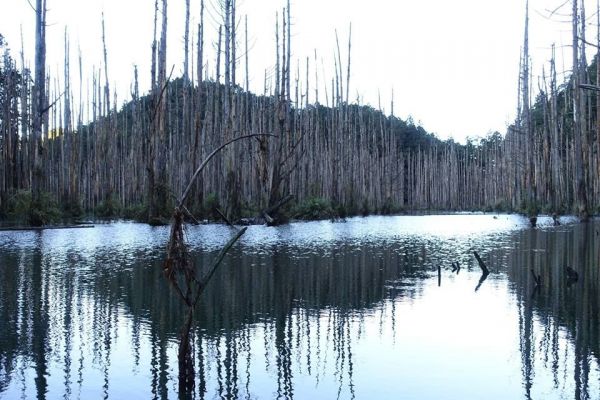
x=154 y=46
x=581 y=195
x=39 y=108
x=527 y=128
x=186 y=40
x=181 y=273
x=158 y=183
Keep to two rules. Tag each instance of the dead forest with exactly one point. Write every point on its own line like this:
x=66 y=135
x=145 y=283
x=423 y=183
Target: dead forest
x=336 y=157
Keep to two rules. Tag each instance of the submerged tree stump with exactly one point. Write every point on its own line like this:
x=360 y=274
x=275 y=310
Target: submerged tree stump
x=482 y=265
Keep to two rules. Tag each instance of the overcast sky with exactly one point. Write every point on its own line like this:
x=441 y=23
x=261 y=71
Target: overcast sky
x=453 y=65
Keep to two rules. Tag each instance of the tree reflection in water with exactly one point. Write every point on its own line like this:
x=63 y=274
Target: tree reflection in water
x=283 y=320
x=559 y=323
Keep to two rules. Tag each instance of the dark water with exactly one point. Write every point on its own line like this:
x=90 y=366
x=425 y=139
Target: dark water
x=311 y=310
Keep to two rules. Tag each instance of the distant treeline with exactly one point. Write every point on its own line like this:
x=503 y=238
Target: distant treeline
x=336 y=158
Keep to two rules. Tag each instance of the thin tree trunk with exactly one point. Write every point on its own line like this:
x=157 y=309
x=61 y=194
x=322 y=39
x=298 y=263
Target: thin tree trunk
x=39 y=104
x=581 y=196
x=186 y=39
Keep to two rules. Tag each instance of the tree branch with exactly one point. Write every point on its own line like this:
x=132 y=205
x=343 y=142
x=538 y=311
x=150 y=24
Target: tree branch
x=206 y=278
x=205 y=162
x=162 y=91
x=589 y=87
x=45 y=109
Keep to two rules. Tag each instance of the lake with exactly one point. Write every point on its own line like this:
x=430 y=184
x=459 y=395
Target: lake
x=310 y=310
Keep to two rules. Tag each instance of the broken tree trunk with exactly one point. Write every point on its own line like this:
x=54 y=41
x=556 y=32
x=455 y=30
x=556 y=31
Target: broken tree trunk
x=269 y=212
x=482 y=265
x=38 y=106
x=536 y=278
x=180 y=272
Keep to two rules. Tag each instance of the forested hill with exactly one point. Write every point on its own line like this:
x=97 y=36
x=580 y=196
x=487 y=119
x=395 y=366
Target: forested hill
x=343 y=159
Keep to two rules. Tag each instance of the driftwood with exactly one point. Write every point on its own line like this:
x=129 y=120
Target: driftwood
x=269 y=219
x=269 y=212
x=190 y=216
x=589 y=87
x=43 y=228
x=265 y=217
x=224 y=217
x=250 y=221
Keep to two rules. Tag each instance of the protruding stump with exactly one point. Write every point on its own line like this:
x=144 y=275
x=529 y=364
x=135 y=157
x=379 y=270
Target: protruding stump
x=485 y=271
x=484 y=268
x=537 y=278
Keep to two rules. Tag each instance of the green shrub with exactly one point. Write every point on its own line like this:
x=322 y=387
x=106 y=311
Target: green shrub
x=313 y=209
x=389 y=207
x=108 y=208
x=18 y=206
x=364 y=209
x=211 y=202
x=21 y=208
x=342 y=211
x=532 y=209
x=136 y=212
x=72 y=209
x=502 y=206
x=248 y=211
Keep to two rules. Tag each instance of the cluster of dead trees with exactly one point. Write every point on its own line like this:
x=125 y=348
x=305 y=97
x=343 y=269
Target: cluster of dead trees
x=556 y=142
x=91 y=153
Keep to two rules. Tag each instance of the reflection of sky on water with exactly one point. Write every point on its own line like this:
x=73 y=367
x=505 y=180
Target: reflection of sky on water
x=308 y=310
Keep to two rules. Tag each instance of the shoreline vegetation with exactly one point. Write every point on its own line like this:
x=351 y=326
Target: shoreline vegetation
x=66 y=154
x=311 y=210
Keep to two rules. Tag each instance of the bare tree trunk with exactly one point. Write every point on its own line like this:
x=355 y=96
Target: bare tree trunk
x=585 y=108
x=154 y=46
x=598 y=94
x=348 y=72
x=218 y=77
x=200 y=67
x=158 y=183
x=581 y=196
x=233 y=42
x=277 y=68
x=106 y=83
x=25 y=122
x=556 y=182
x=199 y=113
x=39 y=105
x=528 y=130
x=186 y=39
x=246 y=55
x=227 y=24
x=289 y=48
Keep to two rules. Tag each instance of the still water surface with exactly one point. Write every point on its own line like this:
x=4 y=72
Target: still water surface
x=314 y=310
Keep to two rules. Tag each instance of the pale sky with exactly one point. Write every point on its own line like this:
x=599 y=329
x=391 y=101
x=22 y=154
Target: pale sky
x=453 y=65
